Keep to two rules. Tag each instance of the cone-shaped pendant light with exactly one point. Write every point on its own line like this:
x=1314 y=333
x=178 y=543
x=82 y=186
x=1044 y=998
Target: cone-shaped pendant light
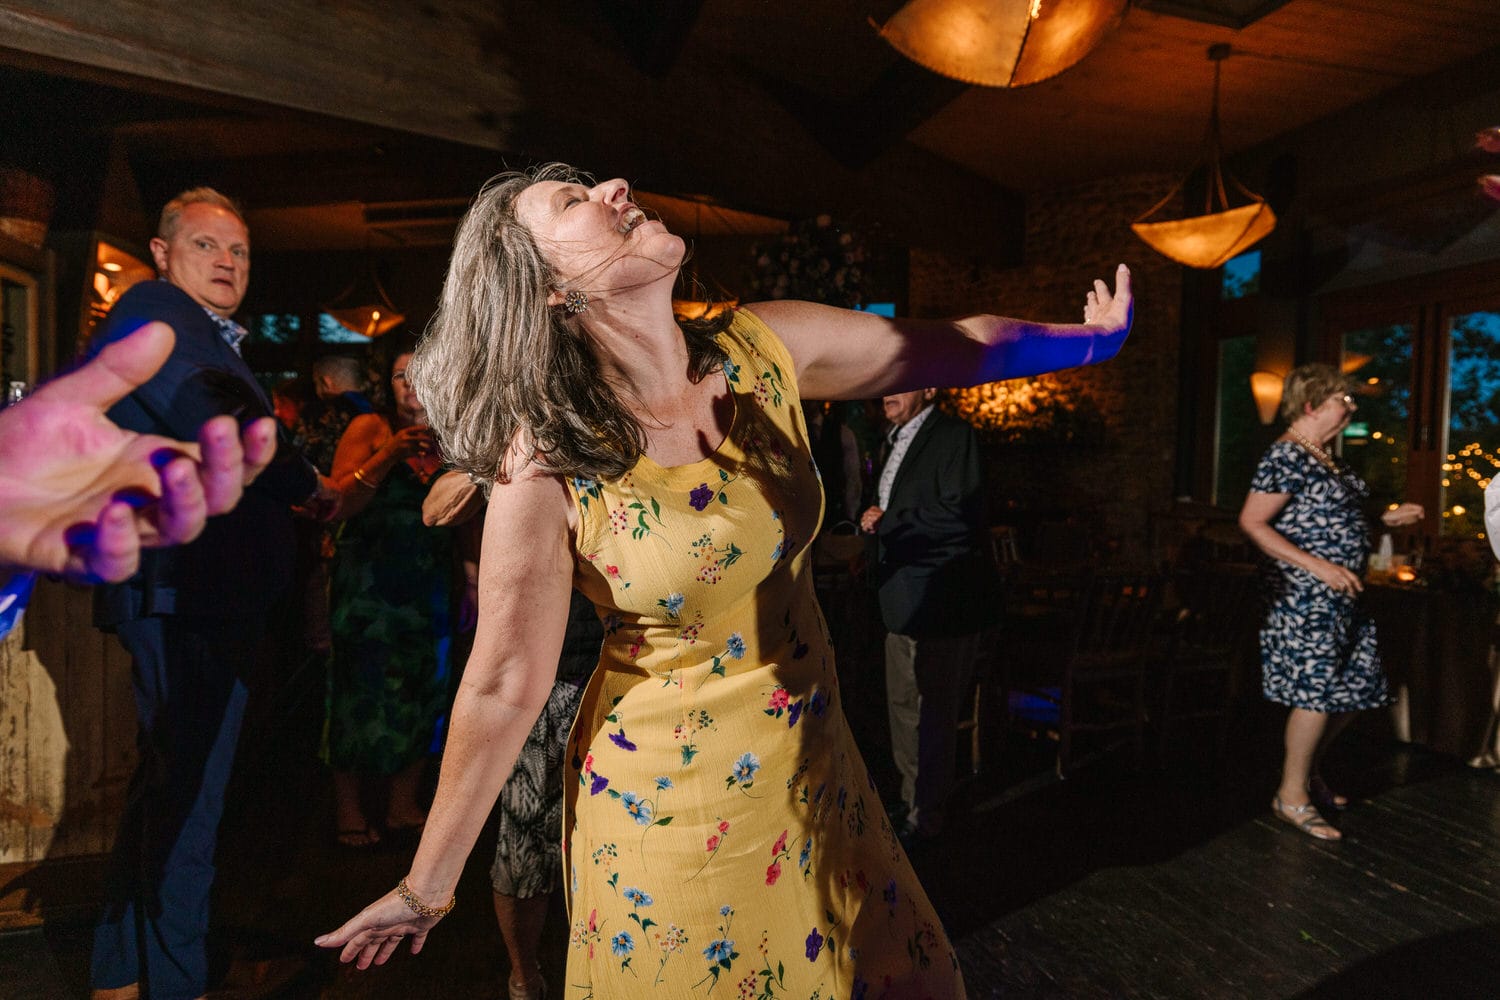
x=1221 y=232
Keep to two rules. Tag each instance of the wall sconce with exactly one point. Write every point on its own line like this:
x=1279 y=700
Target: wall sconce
x=1000 y=43
x=1208 y=240
x=1266 y=388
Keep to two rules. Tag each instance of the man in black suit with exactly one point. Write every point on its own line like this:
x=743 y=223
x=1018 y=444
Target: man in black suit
x=934 y=580
x=192 y=617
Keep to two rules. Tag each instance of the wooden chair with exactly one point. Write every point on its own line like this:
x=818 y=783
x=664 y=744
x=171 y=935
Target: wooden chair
x=1211 y=635
x=1085 y=670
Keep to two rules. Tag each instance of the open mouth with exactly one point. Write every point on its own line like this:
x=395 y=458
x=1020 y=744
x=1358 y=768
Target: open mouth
x=633 y=217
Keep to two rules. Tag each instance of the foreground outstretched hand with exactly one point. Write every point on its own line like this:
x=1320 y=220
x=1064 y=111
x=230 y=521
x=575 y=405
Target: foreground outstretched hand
x=81 y=496
x=374 y=933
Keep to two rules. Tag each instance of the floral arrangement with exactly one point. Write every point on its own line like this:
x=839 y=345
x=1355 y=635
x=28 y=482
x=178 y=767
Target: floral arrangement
x=1034 y=411
x=815 y=260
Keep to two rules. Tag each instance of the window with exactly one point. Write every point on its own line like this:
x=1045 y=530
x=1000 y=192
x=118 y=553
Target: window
x=1471 y=450
x=1238 y=437
x=274 y=328
x=1427 y=354
x=1240 y=277
x=331 y=331
x=1375 y=442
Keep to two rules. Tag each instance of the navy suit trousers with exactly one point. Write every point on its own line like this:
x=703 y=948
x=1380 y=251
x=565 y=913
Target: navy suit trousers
x=189 y=675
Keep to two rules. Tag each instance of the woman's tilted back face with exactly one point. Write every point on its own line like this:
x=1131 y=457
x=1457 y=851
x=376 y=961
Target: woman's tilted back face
x=596 y=240
x=504 y=370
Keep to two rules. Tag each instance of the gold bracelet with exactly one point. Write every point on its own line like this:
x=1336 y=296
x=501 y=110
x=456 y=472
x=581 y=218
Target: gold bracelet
x=420 y=908
x=359 y=477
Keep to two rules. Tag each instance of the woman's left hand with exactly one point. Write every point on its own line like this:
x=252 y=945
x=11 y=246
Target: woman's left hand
x=1403 y=515
x=374 y=933
x=1110 y=311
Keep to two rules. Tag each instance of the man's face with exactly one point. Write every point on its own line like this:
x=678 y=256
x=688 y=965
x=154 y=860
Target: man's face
x=902 y=406
x=208 y=257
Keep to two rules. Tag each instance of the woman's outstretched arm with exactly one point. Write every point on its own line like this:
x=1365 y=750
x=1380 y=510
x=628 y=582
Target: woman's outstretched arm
x=525 y=576
x=842 y=354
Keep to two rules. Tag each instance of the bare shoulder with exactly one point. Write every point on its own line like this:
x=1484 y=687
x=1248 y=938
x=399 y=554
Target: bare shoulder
x=532 y=501
x=367 y=427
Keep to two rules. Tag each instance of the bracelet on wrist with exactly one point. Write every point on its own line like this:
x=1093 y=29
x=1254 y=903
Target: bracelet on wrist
x=420 y=908
x=359 y=477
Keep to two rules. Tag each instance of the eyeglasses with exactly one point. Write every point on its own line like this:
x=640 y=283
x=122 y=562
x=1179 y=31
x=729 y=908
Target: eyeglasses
x=1347 y=401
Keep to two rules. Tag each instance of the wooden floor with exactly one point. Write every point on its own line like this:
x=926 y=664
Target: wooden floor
x=1171 y=882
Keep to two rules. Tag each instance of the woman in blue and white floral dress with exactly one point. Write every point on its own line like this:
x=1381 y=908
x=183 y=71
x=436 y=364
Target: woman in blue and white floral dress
x=1318 y=649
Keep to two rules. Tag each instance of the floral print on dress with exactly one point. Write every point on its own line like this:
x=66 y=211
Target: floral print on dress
x=1319 y=650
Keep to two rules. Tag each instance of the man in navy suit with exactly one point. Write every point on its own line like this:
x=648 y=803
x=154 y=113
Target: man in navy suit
x=192 y=617
x=934 y=580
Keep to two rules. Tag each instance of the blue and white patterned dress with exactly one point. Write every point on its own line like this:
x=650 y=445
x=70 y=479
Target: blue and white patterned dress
x=1317 y=647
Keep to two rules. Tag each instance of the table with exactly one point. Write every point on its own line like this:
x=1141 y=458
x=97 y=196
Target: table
x=1439 y=652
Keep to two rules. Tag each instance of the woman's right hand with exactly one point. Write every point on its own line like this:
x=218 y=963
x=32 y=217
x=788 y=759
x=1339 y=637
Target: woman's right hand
x=409 y=441
x=374 y=933
x=1336 y=577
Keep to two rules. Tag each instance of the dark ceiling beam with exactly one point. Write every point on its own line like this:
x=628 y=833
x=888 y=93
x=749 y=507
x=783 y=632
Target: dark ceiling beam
x=858 y=130
x=413 y=170
x=652 y=32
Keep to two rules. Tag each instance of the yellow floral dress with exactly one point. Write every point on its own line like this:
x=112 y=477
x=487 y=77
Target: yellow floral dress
x=722 y=834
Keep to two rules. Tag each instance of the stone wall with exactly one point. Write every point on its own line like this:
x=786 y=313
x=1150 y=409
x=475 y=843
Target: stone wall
x=1073 y=236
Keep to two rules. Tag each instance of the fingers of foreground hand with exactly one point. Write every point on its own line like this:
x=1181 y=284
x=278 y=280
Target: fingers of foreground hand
x=107 y=550
x=259 y=443
x=185 y=503
x=222 y=472
x=119 y=369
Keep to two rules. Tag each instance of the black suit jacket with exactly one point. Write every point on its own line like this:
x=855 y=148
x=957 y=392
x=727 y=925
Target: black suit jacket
x=243 y=559
x=932 y=565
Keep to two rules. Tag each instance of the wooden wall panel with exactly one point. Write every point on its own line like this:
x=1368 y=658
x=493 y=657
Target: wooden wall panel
x=67 y=738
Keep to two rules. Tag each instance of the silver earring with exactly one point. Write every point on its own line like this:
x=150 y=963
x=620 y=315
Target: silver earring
x=575 y=302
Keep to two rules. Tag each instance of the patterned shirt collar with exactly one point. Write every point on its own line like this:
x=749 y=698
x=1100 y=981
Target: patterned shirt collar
x=231 y=331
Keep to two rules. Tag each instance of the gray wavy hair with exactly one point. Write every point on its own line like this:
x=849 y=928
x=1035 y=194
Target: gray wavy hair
x=1310 y=385
x=502 y=373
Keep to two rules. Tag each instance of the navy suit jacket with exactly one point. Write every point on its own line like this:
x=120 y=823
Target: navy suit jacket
x=932 y=566
x=243 y=560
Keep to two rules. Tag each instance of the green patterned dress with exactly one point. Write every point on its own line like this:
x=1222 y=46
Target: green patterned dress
x=390 y=592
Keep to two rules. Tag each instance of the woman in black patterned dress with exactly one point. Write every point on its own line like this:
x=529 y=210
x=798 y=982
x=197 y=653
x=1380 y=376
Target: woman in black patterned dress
x=1318 y=650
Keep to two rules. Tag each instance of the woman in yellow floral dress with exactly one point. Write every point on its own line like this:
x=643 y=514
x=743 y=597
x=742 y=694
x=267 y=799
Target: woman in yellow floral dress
x=722 y=835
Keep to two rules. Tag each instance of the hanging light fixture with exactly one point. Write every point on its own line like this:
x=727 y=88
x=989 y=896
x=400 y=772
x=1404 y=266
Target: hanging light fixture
x=1000 y=43
x=364 y=307
x=1221 y=232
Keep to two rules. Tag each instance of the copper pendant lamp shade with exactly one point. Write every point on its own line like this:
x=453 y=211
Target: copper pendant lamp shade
x=1209 y=241
x=364 y=307
x=1000 y=43
x=1221 y=232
